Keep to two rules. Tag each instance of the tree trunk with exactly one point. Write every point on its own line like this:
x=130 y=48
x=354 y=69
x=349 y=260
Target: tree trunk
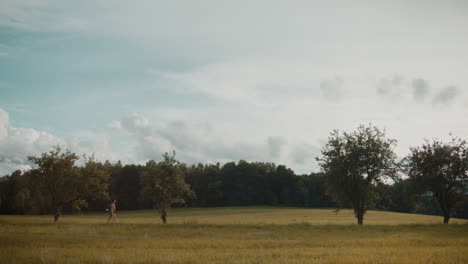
x=56 y=215
x=446 y=219
x=444 y=207
x=163 y=215
x=360 y=216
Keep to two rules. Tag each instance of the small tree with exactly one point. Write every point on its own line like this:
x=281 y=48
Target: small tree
x=440 y=170
x=354 y=163
x=164 y=184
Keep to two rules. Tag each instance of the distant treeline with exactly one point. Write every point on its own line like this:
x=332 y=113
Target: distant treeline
x=232 y=184
x=357 y=170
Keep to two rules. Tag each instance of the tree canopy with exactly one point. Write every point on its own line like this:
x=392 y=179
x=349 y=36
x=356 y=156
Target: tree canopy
x=354 y=163
x=440 y=169
x=164 y=184
x=58 y=182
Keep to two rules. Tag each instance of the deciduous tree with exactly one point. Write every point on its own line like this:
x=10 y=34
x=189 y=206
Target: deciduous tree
x=354 y=163
x=60 y=183
x=164 y=184
x=440 y=169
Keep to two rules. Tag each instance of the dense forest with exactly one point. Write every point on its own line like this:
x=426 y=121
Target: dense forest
x=56 y=184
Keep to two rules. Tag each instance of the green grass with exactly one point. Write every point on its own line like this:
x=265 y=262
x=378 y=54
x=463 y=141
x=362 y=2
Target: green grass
x=234 y=235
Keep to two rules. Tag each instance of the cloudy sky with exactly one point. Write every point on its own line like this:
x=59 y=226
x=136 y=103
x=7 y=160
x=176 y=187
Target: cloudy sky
x=227 y=80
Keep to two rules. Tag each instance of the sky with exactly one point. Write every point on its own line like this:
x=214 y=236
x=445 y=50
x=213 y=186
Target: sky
x=221 y=81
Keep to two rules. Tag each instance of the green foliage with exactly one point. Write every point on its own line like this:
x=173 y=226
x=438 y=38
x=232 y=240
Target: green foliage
x=77 y=205
x=57 y=178
x=164 y=184
x=440 y=170
x=401 y=197
x=312 y=191
x=94 y=177
x=57 y=182
x=247 y=183
x=231 y=184
x=125 y=185
x=206 y=181
x=21 y=198
x=355 y=163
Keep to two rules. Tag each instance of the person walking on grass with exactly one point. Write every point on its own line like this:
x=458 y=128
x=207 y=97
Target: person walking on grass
x=112 y=212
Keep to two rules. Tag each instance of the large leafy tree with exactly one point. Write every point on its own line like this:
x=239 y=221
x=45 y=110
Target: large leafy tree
x=440 y=169
x=354 y=163
x=57 y=177
x=60 y=183
x=164 y=184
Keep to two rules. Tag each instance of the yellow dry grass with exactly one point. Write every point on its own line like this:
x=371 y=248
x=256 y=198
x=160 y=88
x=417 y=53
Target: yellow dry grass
x=234 y=235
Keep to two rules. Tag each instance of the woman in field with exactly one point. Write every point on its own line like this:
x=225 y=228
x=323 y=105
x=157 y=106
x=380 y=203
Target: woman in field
x=112 y=212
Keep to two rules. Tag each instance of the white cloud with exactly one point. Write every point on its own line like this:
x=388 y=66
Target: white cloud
x=194 y=142
x=17 y=143
x=206 y=142
x=298 y=114
x=257 y=81
x=134 y=122
x=114 y=125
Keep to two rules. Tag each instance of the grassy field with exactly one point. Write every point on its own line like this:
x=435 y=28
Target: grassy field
x=234 y=235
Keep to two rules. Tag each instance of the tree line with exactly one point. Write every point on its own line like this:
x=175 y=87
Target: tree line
x=359 y=170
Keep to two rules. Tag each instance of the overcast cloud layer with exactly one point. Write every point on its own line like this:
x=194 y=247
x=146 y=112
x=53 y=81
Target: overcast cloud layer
x=218 y=81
